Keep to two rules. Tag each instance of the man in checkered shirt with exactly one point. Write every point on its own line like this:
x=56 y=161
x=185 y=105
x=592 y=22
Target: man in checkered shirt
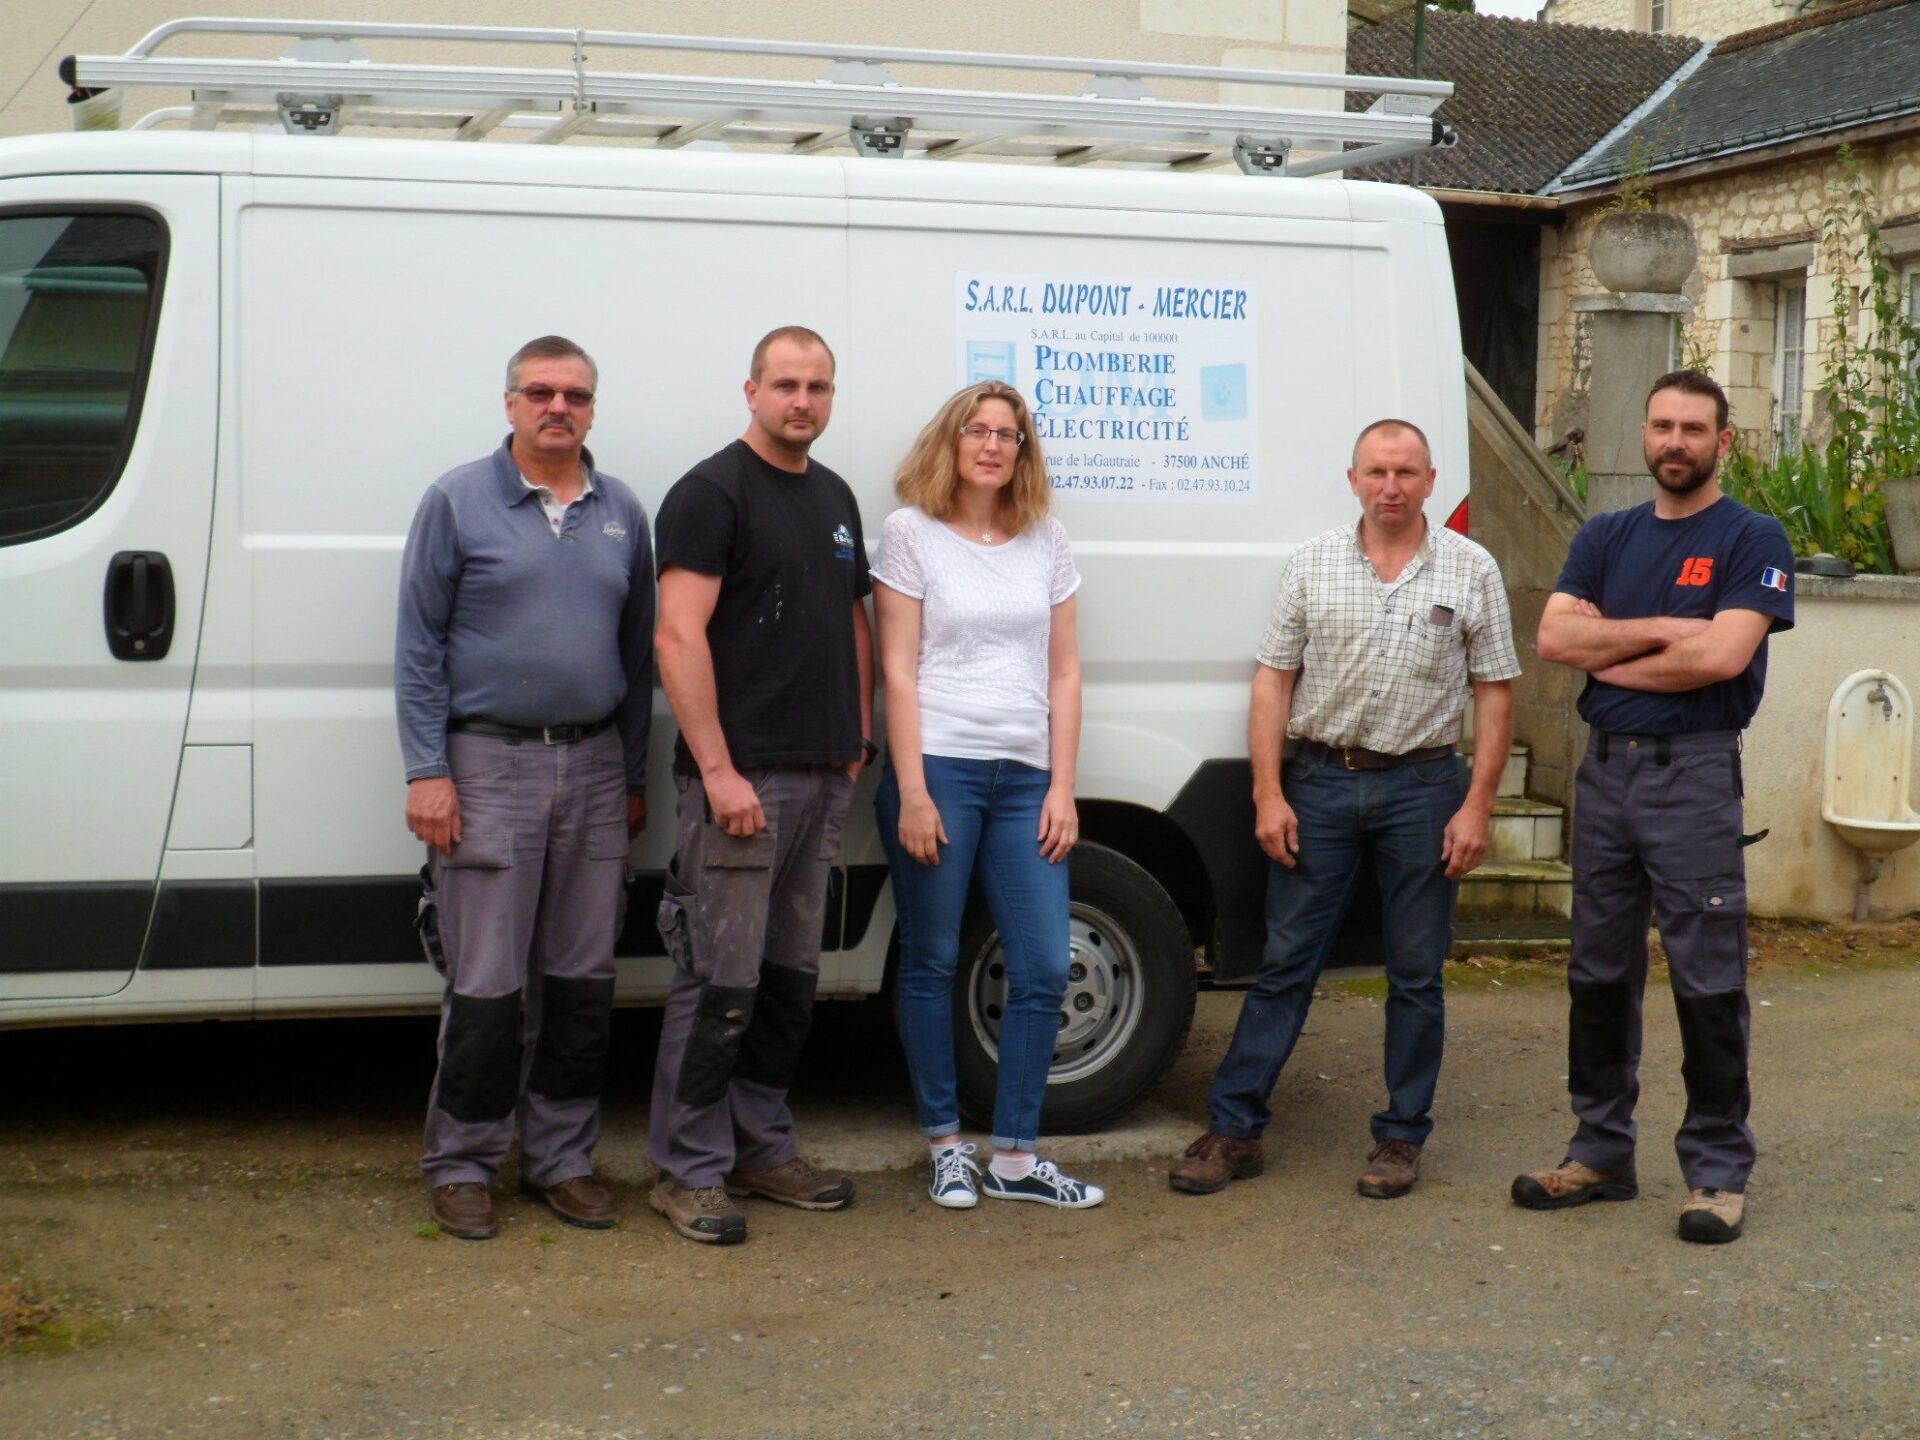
x=1380 y=629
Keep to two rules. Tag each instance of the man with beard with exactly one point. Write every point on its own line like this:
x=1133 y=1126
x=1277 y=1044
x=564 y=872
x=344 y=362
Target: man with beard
x=767 y=659
x=1667 y=606
x=523 y=674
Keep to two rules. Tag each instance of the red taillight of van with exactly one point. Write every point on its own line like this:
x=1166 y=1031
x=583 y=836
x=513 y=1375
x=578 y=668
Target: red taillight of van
x=1457 y=521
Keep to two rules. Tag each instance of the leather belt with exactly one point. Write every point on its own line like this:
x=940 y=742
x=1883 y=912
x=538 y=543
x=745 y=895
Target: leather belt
x=1355 y=758
x=545 y=734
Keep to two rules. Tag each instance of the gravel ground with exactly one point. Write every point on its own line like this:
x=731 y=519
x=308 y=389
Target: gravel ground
x=217 y=1231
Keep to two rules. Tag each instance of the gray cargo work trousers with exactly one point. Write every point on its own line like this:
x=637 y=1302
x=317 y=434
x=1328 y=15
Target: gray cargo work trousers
x=1656 y=832
x=742 y=918
x=527 y=907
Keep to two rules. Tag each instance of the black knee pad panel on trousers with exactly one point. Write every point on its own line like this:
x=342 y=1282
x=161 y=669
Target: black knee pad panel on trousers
x=1599 y=1036
x=771 y=1054
x=713 y=1045
x=576 y=1028
x=1713 y=1043
x=480 y=1061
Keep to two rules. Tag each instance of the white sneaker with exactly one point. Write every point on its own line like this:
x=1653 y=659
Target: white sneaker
x=953 y=1178
x=1047 y=1185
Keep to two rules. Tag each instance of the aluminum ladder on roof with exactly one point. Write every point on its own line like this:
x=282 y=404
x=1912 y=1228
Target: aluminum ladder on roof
x=324 y=82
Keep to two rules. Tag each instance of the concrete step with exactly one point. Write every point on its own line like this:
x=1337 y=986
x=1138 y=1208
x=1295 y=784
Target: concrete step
x=1516 y=890
x=1526 y=829
x=1513 y=778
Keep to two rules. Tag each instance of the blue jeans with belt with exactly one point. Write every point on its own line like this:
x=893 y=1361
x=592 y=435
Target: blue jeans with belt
x=1398 y=817
x=991 y=812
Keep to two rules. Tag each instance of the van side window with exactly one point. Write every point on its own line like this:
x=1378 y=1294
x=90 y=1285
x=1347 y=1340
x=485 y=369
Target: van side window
x=78 y=297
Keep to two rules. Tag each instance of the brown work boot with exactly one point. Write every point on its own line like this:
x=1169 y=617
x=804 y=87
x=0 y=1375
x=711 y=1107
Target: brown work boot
x=1213 y=1160
x=463 y=1209
x=795 y=1183
x=705 y=1214
x=581 y=1200
x=1571 y=1183
x=1392 y=1167
x=1712 y=1217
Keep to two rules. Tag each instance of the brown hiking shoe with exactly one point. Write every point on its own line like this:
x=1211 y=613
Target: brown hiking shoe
x=581 y=1200
x=1392 y=1167
x=795 y=1183
x=705 y=1214
x=1571 y=1183
x=1213 y=1160
x=463 y=1209
x=1712 y=1217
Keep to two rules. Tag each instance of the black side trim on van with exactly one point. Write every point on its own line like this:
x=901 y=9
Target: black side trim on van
x=640 y=936
x=363 y=921
x=864 y=884
x=202 y=925
x=369 y=920
x=1215 y=811
x=61 y=929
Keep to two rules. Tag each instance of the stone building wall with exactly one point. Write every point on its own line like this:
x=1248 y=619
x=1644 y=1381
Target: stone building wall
x=1706 y=19
x=1732 y=324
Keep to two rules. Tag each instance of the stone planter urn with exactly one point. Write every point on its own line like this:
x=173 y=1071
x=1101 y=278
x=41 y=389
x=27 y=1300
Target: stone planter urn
x=1642 y=250
x=1903 y=520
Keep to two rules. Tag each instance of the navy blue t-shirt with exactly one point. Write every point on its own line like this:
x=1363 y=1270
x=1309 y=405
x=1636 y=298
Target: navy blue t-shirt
x=1634 y=565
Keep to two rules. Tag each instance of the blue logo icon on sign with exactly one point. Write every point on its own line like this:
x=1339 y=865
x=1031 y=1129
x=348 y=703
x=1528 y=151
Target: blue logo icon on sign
x=1223 y=392
x=989 y=360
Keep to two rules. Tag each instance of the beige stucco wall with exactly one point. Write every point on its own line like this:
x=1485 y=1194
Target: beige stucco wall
x=1706 y=19
x=1803 y=868
x=1277 y=34
x=1732 y=322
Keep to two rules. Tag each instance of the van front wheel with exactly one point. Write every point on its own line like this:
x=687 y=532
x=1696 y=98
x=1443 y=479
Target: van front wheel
x=1128 y=1006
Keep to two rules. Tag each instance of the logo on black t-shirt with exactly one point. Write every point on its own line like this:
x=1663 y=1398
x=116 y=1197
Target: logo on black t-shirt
x=1695 y=570
x=842 y=543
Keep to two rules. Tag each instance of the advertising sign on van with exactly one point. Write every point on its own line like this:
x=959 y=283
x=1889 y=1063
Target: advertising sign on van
x=1141 y=389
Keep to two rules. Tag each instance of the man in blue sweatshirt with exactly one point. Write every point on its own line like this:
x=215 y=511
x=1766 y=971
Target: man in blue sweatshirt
x=523 y=675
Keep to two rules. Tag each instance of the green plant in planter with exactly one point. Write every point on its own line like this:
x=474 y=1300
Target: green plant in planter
x=1635 y=195
x=1832 y=497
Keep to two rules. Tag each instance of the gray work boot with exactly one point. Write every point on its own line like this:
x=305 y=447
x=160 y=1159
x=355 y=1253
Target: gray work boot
x=795 y=1183
x=1571 y=1183
x=1713 y=1217
x=704 y=1214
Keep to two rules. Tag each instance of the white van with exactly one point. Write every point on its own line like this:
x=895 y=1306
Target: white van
x=230 y=364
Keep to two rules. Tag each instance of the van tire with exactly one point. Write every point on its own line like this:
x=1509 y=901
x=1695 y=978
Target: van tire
x=1128 y=1007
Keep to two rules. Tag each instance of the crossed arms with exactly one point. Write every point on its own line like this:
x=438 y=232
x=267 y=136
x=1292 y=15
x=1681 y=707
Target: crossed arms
x=1663 y=653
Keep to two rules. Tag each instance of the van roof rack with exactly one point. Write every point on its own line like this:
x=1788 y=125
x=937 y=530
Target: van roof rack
x=324 y=82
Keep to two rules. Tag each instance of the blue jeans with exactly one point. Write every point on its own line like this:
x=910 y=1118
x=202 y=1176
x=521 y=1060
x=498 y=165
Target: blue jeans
x=991 y=812
x=1399 y=817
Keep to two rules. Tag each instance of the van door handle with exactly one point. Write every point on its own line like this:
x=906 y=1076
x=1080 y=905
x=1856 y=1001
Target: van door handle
x=139 y=605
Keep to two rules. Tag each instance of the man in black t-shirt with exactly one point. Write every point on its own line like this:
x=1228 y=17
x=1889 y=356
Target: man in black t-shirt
x=766 y=656
x=1667 y=607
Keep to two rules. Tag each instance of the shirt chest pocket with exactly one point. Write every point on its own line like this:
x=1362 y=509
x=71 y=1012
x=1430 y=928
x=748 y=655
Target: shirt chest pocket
x=1435 y=653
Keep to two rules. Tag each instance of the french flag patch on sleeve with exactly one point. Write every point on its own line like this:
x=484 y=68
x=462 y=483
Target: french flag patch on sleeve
x=1773 y=579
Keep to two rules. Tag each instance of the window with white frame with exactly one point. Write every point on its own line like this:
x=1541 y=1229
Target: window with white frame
x=1659 y=16
x=1789 y=364
x=1910 y=305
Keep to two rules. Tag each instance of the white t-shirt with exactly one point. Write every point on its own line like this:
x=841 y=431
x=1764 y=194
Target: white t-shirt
x=986 y=614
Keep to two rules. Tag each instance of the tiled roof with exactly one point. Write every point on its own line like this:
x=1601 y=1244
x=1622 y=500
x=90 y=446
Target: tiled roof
x=1529 y=99
x=1823 y=73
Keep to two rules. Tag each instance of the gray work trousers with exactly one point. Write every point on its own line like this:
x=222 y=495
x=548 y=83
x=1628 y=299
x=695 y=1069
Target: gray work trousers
x=1656 y=832
x=742 y=918
x=527 y=907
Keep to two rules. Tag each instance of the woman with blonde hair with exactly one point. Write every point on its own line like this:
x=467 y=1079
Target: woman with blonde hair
x=975 y=603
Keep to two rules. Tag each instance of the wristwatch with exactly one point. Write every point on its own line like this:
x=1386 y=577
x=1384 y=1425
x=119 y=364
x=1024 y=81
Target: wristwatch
x=869 y=751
